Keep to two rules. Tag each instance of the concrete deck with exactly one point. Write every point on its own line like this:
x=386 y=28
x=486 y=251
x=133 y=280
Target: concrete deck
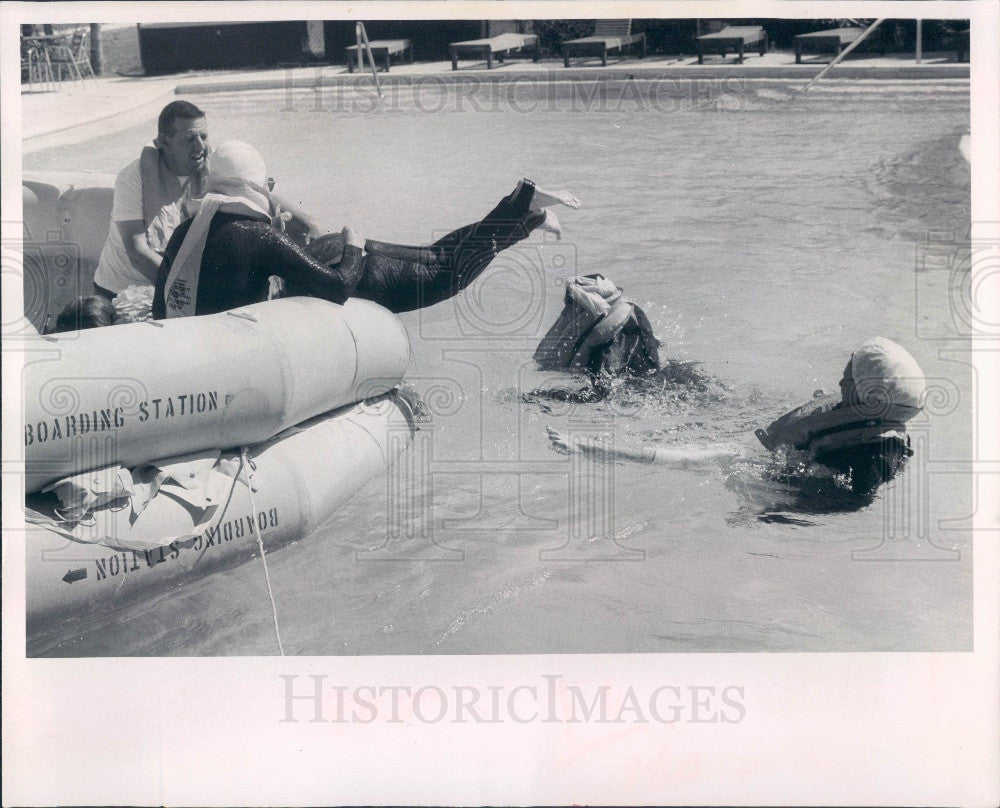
x=89 y=108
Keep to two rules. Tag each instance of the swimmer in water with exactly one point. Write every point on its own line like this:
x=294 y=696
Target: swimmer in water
x=230 y=252
x=601 y=332
x=860 y=434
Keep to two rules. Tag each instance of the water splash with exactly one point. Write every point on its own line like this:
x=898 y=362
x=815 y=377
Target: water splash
x=789 y=482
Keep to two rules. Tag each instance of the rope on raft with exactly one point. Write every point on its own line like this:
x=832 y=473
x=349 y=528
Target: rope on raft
x=251 y=468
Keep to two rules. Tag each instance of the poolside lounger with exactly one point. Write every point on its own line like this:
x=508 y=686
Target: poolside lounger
x=832 y=41
x=382 y=49
x=734 y=38
x=609 y=35
x=501 y=45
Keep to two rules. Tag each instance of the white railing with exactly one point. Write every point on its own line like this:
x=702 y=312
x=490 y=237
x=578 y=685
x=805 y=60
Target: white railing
x=361 y=38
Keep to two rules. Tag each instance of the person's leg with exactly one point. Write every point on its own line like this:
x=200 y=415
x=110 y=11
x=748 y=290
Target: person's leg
x=507 y=217
x=404 y=278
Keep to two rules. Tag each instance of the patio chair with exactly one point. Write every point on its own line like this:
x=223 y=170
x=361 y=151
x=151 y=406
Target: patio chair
x=833 y=40
x=36 y=68
x=71 y=56
x=608 y=36
x=505 y=40
x=735 y=38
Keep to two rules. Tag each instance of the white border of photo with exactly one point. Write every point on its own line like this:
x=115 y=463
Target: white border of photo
x=865 y=728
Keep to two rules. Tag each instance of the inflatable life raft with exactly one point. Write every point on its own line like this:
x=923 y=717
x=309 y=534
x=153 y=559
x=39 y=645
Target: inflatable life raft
x=822 y=423
x=129 y=394
x=279 y=491
x=264 y=376
x=282 y=379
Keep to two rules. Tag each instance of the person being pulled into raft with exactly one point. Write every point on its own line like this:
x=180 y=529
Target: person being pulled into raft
x=233 y=252
x=860 y=433
x=152 y=197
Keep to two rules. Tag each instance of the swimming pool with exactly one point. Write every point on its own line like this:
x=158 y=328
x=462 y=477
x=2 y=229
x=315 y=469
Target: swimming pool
x=765 y=234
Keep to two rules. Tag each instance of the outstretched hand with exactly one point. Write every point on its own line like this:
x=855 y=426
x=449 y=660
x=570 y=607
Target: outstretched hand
x=560 y=442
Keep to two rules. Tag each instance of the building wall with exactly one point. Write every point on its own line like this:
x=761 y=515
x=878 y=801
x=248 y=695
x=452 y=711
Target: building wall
x=176 y=47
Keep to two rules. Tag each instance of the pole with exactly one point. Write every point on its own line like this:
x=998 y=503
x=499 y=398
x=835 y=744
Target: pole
x=846 y=51
x=920 y=39
x=362 y=36
x=96 y=49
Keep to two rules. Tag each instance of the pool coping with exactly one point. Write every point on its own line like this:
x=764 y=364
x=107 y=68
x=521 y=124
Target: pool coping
x=478 y=77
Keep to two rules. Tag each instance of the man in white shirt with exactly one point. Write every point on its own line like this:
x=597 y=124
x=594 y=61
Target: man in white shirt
x=149 y=193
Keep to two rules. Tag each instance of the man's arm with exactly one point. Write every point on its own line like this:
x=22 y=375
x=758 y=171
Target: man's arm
x=688 y=457
x=600 y=446
x=139 y=253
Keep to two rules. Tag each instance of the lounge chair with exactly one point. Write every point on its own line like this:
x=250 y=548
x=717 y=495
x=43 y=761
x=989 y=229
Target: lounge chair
x=383 y=49
x=832 y=41
x=734 y=38
x=609 y=35
x=505 y=40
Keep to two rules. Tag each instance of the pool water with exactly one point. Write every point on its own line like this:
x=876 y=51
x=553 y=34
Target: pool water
x=765 y=234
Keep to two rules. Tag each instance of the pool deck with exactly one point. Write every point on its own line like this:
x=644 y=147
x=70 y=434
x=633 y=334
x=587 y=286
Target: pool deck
x=82 y=109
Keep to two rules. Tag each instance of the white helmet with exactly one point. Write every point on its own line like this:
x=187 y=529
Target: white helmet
x=885 y=371
x=236 y=160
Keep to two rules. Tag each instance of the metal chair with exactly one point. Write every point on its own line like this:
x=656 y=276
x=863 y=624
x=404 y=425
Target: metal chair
x=72 y=56
x=35 y=65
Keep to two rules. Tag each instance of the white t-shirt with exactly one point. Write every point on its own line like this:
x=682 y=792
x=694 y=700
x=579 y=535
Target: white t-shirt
x=114 y=270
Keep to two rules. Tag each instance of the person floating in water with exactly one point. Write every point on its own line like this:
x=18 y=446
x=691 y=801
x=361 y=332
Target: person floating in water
x=600 y=331
x=860 y=434
x=232 y=253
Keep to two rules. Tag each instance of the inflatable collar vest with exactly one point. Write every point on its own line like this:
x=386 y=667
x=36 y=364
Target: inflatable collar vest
x=824 y=424
x=595 y=316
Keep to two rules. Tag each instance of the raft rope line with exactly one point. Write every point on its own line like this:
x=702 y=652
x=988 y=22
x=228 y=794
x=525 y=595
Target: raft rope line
x=251 y=468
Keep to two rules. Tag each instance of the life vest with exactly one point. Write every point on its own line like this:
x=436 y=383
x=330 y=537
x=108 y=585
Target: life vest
x=164 y=197
x=823 y=423
x=580 y=329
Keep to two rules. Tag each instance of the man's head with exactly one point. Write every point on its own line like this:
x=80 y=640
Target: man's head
x=182 y=138
x=85 y=312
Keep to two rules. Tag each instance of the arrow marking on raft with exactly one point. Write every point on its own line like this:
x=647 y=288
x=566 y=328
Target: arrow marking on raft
x=75 y=575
